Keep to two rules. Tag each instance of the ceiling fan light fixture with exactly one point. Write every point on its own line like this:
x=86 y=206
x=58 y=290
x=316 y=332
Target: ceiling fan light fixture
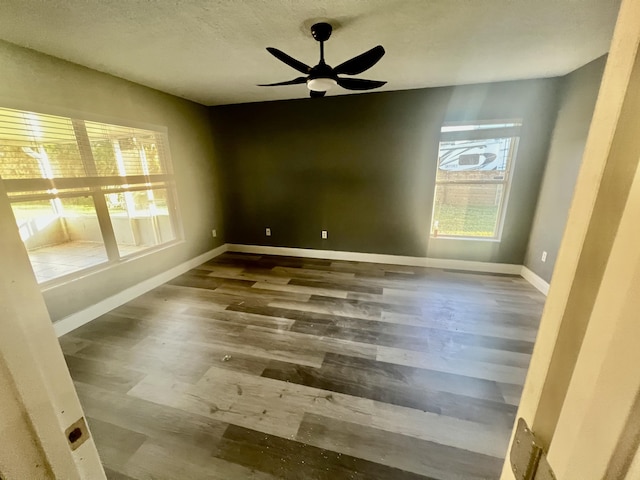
x=321 y=84
x=322 y=77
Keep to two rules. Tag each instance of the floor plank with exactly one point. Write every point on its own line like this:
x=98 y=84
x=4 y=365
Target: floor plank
x=169 y=461
x=116 y=444
x=263 y=367
x=455 y=396
x=426 y=458
x=295 y=460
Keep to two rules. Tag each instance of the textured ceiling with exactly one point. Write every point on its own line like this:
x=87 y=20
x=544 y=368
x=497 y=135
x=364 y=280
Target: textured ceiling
x=213 y=52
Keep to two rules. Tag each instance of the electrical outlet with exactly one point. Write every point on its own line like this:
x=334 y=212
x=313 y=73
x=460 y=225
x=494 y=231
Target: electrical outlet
x=544 y=256
x=267 y=232
x=214 y=234
x=325 y=234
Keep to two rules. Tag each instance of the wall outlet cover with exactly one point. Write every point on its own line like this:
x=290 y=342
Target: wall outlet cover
x=267 y=232
x=544 y=256
x=325 y=234
x=214 y=234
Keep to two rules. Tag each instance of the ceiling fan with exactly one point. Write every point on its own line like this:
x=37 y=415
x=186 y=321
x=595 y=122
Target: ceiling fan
x=322 y=77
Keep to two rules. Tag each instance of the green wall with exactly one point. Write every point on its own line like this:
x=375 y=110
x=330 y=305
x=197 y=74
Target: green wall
x=576 y=104
x=360 y=166
x=33 y=81
x=363 y=168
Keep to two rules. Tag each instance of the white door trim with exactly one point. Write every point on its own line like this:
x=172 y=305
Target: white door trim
x=34 y=379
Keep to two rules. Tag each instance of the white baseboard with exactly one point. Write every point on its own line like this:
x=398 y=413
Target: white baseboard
x=535 y=280
x=82 y=317
x=380 y=258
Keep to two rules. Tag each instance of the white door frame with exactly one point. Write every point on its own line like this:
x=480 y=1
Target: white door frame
x=582 y=281
x=39 y=401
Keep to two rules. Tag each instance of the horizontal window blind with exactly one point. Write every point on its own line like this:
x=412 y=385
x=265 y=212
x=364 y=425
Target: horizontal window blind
x=126 y=151
x=36 y=145
x=85 y=193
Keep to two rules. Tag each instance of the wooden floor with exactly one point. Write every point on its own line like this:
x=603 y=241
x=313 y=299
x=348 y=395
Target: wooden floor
x=252 y=367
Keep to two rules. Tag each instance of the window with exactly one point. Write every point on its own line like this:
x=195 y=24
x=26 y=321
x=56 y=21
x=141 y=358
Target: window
x=475 y=163
x=85 y=193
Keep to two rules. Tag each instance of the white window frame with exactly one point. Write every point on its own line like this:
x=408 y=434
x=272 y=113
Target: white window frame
x=489 y=129
x=97 y=187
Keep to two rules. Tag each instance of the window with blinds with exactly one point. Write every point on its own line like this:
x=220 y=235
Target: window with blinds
x=84 y=193
x=473 y=176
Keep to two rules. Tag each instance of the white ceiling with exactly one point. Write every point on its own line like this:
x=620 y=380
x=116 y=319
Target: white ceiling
x=213 y=51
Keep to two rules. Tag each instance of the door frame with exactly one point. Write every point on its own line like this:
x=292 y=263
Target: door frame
x=41 y=401
x=594 y=226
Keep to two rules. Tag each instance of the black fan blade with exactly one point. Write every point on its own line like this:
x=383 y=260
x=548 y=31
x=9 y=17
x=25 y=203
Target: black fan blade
x=295 y=81
x=292 y=62
x=359 y=84
x=316 y=94
x=361 y=63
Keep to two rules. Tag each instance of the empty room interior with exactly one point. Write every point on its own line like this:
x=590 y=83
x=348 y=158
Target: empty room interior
x=338 y=276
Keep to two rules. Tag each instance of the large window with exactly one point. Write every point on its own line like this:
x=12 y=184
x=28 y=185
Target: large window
x=475 y=163
x=85 y=193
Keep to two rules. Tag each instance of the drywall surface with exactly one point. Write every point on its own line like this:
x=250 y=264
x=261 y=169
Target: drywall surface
x=33 y=81
x=363 y=167
x=577 y=101
x=21 y=457
x=213 y=51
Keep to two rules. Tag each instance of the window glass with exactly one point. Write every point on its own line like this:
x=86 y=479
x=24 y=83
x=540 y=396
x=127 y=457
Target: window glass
x=467 y=210
x=84 y=192
x=472 y=179
x=62 y=235
x=456 y=159
x=140 y=219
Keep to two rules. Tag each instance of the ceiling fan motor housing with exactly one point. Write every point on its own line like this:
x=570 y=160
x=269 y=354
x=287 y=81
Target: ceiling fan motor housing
x=322 y=70
x=321 y=31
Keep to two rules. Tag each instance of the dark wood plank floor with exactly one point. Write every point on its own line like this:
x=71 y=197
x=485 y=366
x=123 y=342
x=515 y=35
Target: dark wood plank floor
x=263 y=367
